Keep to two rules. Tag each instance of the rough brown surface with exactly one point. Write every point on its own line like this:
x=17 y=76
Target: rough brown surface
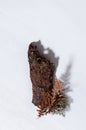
x=41 y=73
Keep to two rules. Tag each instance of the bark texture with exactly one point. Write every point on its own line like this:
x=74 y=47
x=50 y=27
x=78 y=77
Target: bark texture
x=41 y=74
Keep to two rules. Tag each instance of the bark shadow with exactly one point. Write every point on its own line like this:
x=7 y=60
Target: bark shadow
x=47 y=53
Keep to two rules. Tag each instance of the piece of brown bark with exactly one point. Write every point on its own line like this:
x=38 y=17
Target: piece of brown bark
x=41 y=73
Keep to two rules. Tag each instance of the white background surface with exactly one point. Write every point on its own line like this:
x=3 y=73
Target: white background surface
x=60 y=25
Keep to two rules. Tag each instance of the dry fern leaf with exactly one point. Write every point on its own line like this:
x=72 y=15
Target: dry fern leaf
x=49 y=99
x=44 y=104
